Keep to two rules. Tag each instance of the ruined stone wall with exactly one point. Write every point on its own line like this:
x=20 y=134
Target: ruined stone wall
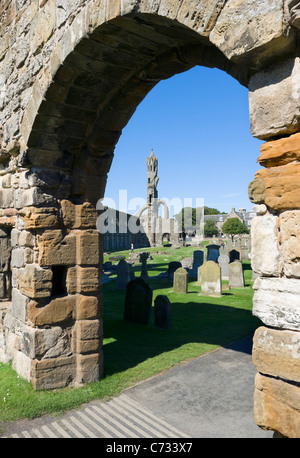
x=71 y=75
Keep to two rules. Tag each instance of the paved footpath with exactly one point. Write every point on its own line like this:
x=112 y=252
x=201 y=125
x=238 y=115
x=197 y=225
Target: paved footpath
x=209 y=397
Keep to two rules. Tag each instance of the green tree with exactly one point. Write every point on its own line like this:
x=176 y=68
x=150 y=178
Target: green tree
x=210 y=228
x=234 y=226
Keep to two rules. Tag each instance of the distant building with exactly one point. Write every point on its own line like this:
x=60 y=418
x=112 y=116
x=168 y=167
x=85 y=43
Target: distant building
x=244 y=216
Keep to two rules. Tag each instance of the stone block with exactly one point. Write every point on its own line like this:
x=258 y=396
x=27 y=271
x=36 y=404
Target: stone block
x=55 y=249
x=45 y=343
x=19 y=305
x=265 y=253
x=22 y=365
x=60 y=310
x=79 y=216
x=53 y=373
x=83 y=280
x=88 y=307
x=277 y=353
x=88 y=336
x=21 y=256
x=88 y=244
x=39 y=217
x=274 y=100
x=276 y=302
x=26 y=239
x=252 y=29
x=205 y=17
x=289 y=222
x=280 y=152
x=281 y=186
x=35 y=282
x=277 y=405
x=89 y=368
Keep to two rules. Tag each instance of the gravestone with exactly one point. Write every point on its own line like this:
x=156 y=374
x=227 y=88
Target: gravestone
x=211 y=284
x=138 y=302
x=180 y=284
x=173 y=266
x=223 y=261
x=213 y=252
x=144 y=255
x=123 y=274
x=236 y=275
x=162 y=312
x=244 y=253
x=198 y=258
x=234 y=255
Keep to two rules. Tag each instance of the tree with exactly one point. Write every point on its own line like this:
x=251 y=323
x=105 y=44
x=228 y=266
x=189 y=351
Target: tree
x=188 y=215
x=234 y=226
x=210 y=228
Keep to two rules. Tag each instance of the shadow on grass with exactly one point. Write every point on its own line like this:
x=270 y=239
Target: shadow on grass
x=200 y=323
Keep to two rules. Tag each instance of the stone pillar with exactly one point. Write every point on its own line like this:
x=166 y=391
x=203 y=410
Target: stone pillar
x=52 y=329
x=276 y=260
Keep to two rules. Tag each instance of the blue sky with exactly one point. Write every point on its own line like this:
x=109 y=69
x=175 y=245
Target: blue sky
x=197 y=123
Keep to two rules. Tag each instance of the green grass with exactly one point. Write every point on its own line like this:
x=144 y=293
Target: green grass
x=132 y=352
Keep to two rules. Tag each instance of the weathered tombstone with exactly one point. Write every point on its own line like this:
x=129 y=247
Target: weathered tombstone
x=211 y=284
x=223 y=261
x=236 y=275
x=173 y=266
x=187 y=263
x=162 y=312
x=123 y=274
x=234 y=255
x=244 y=253
x=213 y=252
x=138 y=302
x=180 y=284
x=144 y=255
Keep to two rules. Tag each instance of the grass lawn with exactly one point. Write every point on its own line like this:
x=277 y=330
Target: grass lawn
x=132 y=352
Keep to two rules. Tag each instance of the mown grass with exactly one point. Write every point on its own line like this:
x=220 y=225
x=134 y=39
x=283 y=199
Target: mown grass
x=132 y=352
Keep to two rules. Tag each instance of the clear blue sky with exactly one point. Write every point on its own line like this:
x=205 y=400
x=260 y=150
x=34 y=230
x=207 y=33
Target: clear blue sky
x=197 y=123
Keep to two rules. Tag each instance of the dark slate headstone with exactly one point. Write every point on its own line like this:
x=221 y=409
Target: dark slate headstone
x=138 y=302
x=213 y=252
x=162 y=312
x=173 y=266
x=234 y=255
x=123 y=274
x=198 y=259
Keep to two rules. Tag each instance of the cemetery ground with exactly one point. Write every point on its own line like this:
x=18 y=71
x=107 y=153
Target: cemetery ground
x=133 y=352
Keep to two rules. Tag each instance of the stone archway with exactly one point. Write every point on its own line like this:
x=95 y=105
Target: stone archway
x=82 y=71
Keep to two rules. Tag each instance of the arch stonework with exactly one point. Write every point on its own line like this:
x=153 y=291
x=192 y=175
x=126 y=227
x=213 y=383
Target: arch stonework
x=71 y=76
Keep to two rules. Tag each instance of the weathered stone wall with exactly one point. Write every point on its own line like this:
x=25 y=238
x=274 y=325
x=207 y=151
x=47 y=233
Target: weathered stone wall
x=71 y=75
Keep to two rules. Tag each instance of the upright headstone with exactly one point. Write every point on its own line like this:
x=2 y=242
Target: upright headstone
x=198 y=258
x=162 y=312
x=234 y=255
x=236 y=275
x=180 y=284
x=173 y=266
x=144 y=255
x=211 y=284
x=223 y=261
x=123 y=274
x=213 y=252
x=138 y=302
